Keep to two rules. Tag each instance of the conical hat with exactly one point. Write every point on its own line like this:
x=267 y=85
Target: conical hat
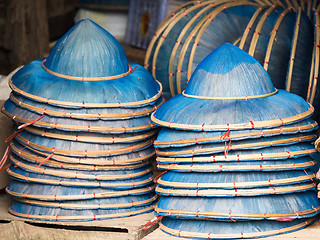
x=230 y=90
x=86 y=68
x=169 y=137
x=203 y=229
x=21 y=175
x=272 y=153
x=271 y=207
x=234 y=180
x=35 y=156
x=259 y=143
x=48 y=192
x=43 y=213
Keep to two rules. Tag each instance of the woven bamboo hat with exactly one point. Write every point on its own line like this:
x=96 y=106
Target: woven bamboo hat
x=169 y=137
x=91 y=62
x=230 y=90
x=271 y=207
x=230 y=230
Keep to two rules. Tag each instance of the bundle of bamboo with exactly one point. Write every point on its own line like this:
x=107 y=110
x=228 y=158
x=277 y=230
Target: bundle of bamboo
x=235 y=148
x=83 y=145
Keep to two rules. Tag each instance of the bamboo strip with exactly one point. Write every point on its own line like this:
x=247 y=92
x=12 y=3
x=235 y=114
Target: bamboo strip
x=83 y=104
x=234 y=192
x=105 y=194
x=81 y=217
x=249 y=125
x=249 y=26
x=238 y=215
x=235 y=235
x=273 y=36
x=317 y=60
x=234 y=135
x=229 y=157
x=77 y=184
x=84 y=115
x=85 y=206
x=238 y=146
x=221 y=168
x=74 y=174
x=256 y=34
x=293 y=51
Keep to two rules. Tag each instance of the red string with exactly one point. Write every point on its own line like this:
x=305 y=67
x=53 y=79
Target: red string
x=5 y=157
x=13 y=135
x=225 y=135
x=45 y=160
x=226 y=149
x=31 y=122
x=152 y=222
x=155 y=180
x=5 y=167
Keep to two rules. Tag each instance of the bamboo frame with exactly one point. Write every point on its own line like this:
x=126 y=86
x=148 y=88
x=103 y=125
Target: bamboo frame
x=235 y=167
x=249 y=125
x=237 y=146
x=75 y=174
x=316 y=61
x=230 y=157
x=106 y=194
x=234 y=135
x=74 y=160
x=234 y=192
x=256 y=34
x=84 y=115
x=83 y=104
x=273 y=36
x=86 y=206
x=293 y=50
x=84 y=152
x=78 y=184
x=234 y=235
x=81 y=217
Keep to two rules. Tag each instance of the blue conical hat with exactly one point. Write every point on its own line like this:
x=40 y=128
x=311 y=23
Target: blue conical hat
x=272 y=207
x=203 y=229
x=230 y=90
x=87 y=68
x=32 y=155
x=43 y=213
x=234 y=180
x=21 y=175
x=272 y=153
x=169 y=137
x=49 y=192
x=244 y=166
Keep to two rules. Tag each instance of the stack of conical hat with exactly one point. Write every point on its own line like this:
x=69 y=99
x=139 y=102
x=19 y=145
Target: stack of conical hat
x=84 y=140
x=238 y=153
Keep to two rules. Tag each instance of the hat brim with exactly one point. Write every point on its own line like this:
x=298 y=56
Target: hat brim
x=195 y=114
